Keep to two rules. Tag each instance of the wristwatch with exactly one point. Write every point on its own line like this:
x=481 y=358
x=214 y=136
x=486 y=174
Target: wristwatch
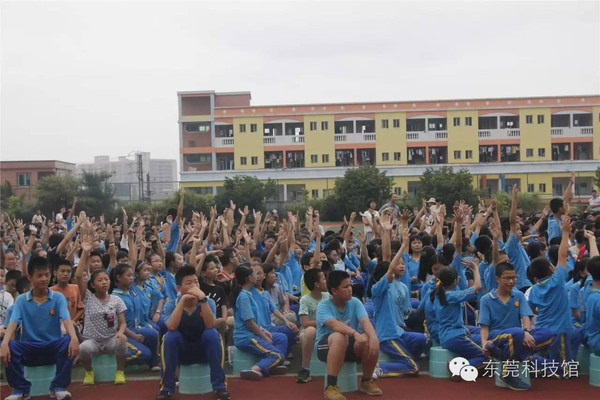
x=204 y=300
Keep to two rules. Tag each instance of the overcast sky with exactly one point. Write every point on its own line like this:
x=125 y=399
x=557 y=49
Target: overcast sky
x=84 y=79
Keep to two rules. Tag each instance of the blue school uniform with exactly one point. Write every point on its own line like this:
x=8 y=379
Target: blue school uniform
x=573 y=289
x=191 y=343
x=41 y=341
x=296 y=273
x=172 y=245
x=353 y=312
x=554 y=227
x=265 y=309
x=246 y=309
x=411 y=270
x=148 y=298
x=519 y=259
x=400 y=297
x=431 y=322
x=592 y=325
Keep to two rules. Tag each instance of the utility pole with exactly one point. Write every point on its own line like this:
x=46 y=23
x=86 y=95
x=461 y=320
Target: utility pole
x=140 y=171
x=148 y=192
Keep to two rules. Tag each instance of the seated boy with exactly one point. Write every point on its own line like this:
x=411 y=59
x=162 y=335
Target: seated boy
x=191 y=337
x=338 y=340
x=39 y=312
x=63 y=274
x=314 y=279
x=592 y=306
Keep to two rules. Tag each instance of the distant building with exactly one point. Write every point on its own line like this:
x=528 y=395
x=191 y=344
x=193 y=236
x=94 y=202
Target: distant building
x=160 y=173
x=23 y=175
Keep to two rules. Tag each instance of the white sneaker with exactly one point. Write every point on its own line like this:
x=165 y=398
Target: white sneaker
x=60 y=394
x=18 y=396
x=377 y=372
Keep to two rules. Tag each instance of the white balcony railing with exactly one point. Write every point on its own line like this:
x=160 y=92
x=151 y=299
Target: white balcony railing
x=498 y=133
x=283 y=140
x=427 y=135
x=223 y=142
x=572 y=132
x=354 y=138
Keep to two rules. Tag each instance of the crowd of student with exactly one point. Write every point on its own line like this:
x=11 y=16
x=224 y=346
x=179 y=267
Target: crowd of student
x=177 y=293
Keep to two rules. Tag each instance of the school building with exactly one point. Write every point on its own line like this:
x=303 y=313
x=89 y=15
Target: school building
x=533 y=142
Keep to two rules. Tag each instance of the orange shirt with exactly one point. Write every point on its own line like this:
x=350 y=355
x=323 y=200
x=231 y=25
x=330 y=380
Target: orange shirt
x=71 y=293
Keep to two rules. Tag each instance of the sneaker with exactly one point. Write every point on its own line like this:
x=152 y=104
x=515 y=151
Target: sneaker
x=303 y=376
x=164 y=396
x=251 y=375
x=287 y=363
x=88 y=379
x=370 y=388
x=59 y=394
x=333 y=393
x=119 y=378
x=222 y=394
x=17 y=395
x=495 y=351
x=279 y=370
x=156 y=368
x=514 y=383
x=377 y=372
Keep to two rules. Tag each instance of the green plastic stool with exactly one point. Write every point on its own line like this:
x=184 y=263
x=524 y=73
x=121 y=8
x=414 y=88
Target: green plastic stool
x=243 y=360
x=317 y=367
x=347 y=378
x=438 y=362
x=583 y=359
x=520 y=366
x=594 y=370
x=132 y=368
x=384 y=357
x=40 y=377
x=194 y=379
x=105 y=366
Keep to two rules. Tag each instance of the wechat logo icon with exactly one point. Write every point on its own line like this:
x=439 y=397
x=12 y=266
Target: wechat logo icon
x=459 y=366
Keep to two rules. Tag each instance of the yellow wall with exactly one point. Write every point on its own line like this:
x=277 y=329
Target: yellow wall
x=248 y=144
x=596 y=125
x=462 y=138
x=534 y=135
x=390 y=140
x=319 y=142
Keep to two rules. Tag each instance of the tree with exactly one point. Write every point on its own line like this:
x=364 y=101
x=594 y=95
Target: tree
x=95 y=195
x=54 y=192
x=245 y=191
x=361 y=185
x=597 y=178
x=448 y=186
x=5 y=193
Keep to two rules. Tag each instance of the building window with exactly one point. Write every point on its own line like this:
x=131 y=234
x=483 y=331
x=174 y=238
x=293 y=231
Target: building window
x=457 y=154
x=24 y=179
x=324 y=125
x=385 y=156
x=397 y=156
x=243 y=161
x=530 y=187
x=313 y=126
x=468 y=121
x=529 y=152
x=198 y=158
x=529 y=119
x=542 y=152
x=398 y=191
x=385 y=123
x=242 y=128
x=540 y=119
x=542 y=187
x=192 y=143
x=456 y=121
x=314 y=158
x=468 y=154
x=254 y=160
x=325 y=158
x=253 y=127
x=197 y=127
x=396 y=123
x=315 y=193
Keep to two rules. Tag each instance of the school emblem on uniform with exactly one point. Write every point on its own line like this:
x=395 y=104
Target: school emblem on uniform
x=52 y=311
x=517 y=303
x=149 y=296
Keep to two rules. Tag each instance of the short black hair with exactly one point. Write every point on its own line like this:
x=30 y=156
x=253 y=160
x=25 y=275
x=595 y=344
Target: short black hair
x=183 y=272
x=311 y=277
x=305 y=259
x=556 y=204
x=55 y=239
x=593 y=267
x=534 y=249
x=540 y=267
x=504 y=266
x=12 y=274
x=63 y=262
x=37 y=263
x=335 y=279
x=23 y=285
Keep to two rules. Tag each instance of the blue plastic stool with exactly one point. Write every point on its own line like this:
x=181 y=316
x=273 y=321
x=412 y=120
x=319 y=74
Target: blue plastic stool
x=40 y=377
x=583 y=359
x=105 y=366
x=317 y=367
x=438 y=362
x=347 y=378
x=194 y=379
x=594 y=370
x=243 y=360
x=513 y=366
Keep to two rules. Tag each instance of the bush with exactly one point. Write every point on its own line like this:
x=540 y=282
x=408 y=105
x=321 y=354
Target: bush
x=530 y=203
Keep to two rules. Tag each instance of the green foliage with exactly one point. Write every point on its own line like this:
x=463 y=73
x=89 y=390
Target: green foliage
x=192 y=201
x=54 y=192
x=17 y=208
x=597 y=178
x=5 y=193
x=95 y=195
x=448 y=186
x=245 y=191
x=530 y=203
x=358 y=187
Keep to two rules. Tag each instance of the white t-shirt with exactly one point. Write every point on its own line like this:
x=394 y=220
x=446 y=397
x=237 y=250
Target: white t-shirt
x=368 y=216
x=595 y=203
x=6 y=300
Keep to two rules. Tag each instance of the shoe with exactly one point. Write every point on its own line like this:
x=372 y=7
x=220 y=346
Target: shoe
x=119 y=378
x=164 y=396
x=514 y=383
x=222 y=394
x=59 y=394
x=495 y=351
x=279 y=370
x=370 y=388
x=303 y=376
x=156 y=368
x=251 y=375
x=286 y=363
x=333 y=393
x=88 y=379
x=17 y=395
x=377 y=372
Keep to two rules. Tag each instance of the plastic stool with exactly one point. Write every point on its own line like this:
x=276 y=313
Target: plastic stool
x=317 y=367
x=384 y=357
x=347 y=378
x=583 y=358
x=594 y=370
x=522 y=368
x=194 y=379
x=40 y=377
x=132 y=368
x=105 y=366
x=438 y=362
x=243 y=360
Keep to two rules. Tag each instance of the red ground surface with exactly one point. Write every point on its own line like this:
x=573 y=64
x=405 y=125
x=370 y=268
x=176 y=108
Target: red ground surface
x=286 y=388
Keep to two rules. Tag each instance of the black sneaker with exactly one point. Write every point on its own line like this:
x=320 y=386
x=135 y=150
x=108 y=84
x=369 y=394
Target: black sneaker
x=495 y=351
x=222 y=394
x=515 y=383
x=303 y=376
x=164 y=396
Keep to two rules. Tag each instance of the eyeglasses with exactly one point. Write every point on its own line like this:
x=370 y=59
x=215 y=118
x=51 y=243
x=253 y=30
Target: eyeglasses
x=509 y=278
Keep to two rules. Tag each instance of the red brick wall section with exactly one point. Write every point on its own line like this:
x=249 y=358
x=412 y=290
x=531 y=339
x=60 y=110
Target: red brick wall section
x=195 y=106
